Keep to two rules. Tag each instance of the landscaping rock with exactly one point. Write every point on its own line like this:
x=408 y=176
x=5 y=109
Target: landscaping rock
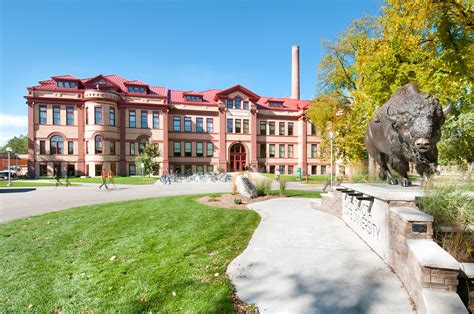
x=245 y=187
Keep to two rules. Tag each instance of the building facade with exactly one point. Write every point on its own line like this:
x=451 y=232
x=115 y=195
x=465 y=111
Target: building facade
x=84 y=126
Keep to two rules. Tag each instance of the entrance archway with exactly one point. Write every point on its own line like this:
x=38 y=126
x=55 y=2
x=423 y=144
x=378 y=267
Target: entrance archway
x=238 y=157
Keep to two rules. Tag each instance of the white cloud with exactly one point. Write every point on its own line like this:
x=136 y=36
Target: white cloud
x=12 y=125
x=9 y=120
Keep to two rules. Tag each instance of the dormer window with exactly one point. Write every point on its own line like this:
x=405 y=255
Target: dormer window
x=136 y=89
x=275 y=104
x=66 y=84
x=101 y=81
x=193 y=98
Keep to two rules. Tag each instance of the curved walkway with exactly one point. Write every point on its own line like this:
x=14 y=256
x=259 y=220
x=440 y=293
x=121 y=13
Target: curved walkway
x=50 y=199
x=301 y=260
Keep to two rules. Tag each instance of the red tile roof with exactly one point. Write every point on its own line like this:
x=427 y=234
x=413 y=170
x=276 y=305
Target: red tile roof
x=135 y=82
x=236 y=88
x=65 y=77
x=176 y=96
x=288 y=103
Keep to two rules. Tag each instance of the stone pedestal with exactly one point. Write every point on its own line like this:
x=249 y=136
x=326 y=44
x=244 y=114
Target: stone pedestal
x=387 y=219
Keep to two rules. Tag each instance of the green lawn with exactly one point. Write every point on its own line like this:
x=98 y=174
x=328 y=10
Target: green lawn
x=291 y=178
x=117 y=180
x=164 y=254
x=25 y=184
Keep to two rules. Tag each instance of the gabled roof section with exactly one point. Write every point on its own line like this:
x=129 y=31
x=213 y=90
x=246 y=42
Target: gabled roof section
x=237 y=88
x=115 y=80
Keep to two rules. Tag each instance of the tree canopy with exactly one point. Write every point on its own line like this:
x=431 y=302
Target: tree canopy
x=149 y=159
x=427 y=42
x=19 y=144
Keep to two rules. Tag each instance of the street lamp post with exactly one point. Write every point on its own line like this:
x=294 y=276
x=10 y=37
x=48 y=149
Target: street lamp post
x=9 y=150
x=331 y=139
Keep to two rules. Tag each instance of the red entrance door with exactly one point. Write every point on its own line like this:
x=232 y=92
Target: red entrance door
x=238 y=156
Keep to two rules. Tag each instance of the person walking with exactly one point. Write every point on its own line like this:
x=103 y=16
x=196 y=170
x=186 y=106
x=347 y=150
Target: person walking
x=104 y=180
x=277 y=175
x=172 y=176
x=111 y=178
x=57 y=177
x=168 y=178
x=67 y=179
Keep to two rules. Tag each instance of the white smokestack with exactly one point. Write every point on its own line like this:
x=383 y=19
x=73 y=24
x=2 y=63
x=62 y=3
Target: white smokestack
x=295 y=72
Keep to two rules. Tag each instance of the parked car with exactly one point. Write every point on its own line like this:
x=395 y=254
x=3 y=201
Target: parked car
x=14 y=172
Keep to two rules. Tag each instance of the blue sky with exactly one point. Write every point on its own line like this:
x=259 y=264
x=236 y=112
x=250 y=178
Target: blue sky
x=181 y=44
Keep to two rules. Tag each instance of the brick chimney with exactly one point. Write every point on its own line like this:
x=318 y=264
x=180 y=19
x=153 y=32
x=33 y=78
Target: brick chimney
x=295 y=72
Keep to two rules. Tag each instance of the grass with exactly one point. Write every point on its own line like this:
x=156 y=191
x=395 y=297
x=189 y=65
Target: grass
x=452 y=208
x=118 y=180
x=292 y=178
x=165 y=254
x=25 y=184
x=298 y=193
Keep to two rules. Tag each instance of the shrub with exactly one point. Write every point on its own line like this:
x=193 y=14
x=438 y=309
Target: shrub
x=220 y=170
x=263 y=187
x=237 y=201
x=283 y=182
x=449 y=205
x=359 y=172
x=453 y=212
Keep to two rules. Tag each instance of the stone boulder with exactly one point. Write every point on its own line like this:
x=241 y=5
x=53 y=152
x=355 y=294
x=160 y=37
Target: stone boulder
x=245 y=187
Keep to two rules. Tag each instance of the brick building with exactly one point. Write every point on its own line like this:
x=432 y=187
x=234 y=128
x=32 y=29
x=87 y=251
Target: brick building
x=84 y=125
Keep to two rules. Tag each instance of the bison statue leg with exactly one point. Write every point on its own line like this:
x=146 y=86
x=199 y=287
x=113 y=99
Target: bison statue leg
x=402 y=167
x=385 y=173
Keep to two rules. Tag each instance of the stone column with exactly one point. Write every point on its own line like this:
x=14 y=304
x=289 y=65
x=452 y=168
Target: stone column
x=31 y=140
x=302 y=142
x=81 y=164
x=123 y=126
x=253 y=137
x=165 y=139
x=222 y=139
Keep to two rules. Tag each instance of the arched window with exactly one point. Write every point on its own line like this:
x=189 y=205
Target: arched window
x=142 y=144
x=56 y=145
x=98 y=144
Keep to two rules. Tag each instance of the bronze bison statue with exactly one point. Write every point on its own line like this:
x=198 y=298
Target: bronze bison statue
x=406 y=129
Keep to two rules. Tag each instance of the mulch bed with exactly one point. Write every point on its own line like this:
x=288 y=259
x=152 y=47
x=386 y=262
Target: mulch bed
x=229 y=200
x=243 y=308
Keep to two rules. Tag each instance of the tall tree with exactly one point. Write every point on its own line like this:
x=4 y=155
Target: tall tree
x=19 y=144
x=149 y=159
x=423 y=41
x=340 y=102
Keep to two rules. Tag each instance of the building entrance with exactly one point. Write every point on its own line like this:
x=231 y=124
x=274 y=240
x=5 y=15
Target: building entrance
x=238 y=156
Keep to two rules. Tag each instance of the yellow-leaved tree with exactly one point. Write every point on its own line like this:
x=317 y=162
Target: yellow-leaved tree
x=427 y=42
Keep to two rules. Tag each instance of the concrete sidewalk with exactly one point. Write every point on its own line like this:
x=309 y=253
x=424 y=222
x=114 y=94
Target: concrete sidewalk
x=50 y=199
x=302 y=260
